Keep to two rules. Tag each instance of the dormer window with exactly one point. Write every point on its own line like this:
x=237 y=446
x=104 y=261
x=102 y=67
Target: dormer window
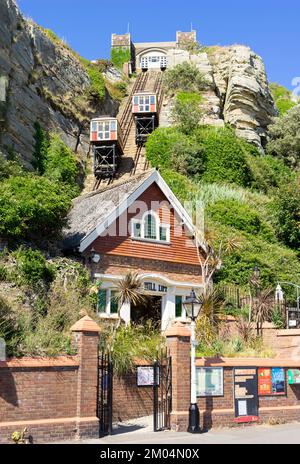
x=150 y=229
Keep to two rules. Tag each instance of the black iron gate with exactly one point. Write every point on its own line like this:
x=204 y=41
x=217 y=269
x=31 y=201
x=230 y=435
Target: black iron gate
x=105 y=394
x=162 y=393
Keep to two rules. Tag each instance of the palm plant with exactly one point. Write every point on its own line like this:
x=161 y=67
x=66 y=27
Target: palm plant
x=262 y=308
x=129 y=290
x=213 y=255
x=208 y=321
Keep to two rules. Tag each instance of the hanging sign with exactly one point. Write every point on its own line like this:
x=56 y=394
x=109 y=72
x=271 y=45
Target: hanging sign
x=210 y=381
x=294 y=376
x=245 y=394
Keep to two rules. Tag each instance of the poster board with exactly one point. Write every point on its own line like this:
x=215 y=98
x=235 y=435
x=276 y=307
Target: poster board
x=145 y=376
x=246 y=394
x=210 y=381
x=294 y=376
x=271 y=381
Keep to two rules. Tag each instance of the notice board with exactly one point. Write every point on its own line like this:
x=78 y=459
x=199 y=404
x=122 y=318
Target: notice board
x=246 y=394
x=271 y=381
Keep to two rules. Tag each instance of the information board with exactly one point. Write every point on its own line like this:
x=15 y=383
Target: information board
x=210 y=381
x=246 y=394
x=145 y=376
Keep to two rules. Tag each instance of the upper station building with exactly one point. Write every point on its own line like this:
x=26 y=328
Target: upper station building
x=153 y=55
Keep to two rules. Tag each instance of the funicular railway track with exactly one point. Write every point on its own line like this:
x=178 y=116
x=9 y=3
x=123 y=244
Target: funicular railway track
x=134 y=160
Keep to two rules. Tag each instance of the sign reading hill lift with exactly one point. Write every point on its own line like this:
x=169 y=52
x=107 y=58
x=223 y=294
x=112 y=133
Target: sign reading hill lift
x=245 y=394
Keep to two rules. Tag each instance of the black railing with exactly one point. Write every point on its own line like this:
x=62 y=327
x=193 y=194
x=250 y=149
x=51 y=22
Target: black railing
x=105 y=395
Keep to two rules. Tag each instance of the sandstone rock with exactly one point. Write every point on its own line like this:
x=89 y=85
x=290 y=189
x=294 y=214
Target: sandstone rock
x=45 y=84
x=237 y=91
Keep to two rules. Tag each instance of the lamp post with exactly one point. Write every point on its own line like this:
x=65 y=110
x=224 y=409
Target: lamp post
x=193 y=306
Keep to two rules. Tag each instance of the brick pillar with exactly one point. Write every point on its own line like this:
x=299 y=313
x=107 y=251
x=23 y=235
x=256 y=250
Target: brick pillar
x=178 y=342
x=86 y=339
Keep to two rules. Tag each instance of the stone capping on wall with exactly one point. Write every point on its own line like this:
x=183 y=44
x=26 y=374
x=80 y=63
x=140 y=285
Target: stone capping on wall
x=288 y=333
x=249 y=362
x=86 y=324
x=61 y=361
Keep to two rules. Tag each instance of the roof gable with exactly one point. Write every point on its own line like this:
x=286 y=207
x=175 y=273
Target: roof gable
x=94 y=213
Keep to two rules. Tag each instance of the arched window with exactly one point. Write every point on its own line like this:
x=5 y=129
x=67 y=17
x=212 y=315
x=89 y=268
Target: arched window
x=150 y=227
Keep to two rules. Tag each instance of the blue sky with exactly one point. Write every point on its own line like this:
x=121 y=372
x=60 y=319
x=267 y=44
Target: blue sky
x=270 y=27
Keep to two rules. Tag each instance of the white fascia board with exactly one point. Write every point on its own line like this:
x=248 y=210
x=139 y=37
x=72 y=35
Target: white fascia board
x=154 y=177
x=166 y=280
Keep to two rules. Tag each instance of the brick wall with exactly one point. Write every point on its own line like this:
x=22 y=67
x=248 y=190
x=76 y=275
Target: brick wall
x=54 y=398
x=129 y=400
x=39 y=396
x=219 y=411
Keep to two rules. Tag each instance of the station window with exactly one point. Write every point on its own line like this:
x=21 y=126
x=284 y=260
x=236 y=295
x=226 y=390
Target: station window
x=150 y=228
x=137 y=229
x=102 y=301
x=114 y=307
x=179 y=306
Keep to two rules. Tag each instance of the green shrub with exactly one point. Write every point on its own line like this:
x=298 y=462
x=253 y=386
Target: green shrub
x=32 y=266
x=60 y=163
x=130 y=343
x=276 y=262
x=97 y=88
x=119 y=56
x=183 y=188
x=187 y=112
x=32 y=205
x=282 y=98
x=286 y=208
x=3 y=273
x=285 y=137
x=268 y=172
x=9 y=326
x=42 y=141
x=169 y=148
x=241 y=217
x=225 y=156
x=184 y=77
x=10 y=167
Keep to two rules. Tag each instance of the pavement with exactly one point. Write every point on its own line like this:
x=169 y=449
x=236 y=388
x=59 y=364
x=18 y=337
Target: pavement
x=141 y=432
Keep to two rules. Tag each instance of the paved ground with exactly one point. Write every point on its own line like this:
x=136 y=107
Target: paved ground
x=141 y=432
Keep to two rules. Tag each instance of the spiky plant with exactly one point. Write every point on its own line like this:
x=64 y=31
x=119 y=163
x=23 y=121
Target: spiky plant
x=208 y=321
x=262 y=308
x=130 y=290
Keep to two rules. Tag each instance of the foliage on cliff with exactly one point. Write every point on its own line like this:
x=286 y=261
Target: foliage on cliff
x=247 y=196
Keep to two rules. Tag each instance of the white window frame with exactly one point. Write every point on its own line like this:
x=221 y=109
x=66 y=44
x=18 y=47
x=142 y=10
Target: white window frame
x=158 y=226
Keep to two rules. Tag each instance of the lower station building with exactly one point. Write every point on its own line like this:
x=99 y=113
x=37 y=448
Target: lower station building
x=138 y=226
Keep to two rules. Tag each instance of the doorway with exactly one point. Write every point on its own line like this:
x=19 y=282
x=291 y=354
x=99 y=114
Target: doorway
x=150 y=310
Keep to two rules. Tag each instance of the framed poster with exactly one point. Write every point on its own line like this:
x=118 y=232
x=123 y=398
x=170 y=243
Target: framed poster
x=245 y=394
x=294 y=376
x=271 y=381
x=145 y=376
x=210 y=381
x=264 y=382
x=278 y=381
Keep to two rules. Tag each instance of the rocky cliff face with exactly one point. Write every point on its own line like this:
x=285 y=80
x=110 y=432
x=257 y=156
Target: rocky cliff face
x=237 y=92
x=41 y=82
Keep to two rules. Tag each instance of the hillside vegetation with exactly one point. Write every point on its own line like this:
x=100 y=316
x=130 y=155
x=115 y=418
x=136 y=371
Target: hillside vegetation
x=248 y=196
